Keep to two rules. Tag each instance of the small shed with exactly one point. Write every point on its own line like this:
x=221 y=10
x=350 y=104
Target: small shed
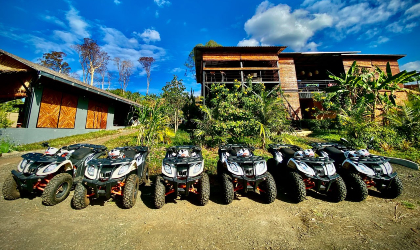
x=56 y=105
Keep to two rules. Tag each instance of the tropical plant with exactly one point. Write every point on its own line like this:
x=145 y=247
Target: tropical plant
x=244 y=109
x=174 y=98
x=153 y=123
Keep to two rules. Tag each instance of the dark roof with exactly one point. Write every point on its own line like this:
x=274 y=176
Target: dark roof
x=49 y=73
x=396 y=57
x=249 y=49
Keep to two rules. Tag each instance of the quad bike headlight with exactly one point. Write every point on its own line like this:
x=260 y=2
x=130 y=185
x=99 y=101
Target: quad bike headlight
x=121 y=171
x=330 y=169
x=260 y=168
x=198 y=168
x=303 y=167
x=22 y=164
x=91 y=172
x=234 y=168
x=50 y=168
x=364 y=169
x=167 y=170
x=386 y=168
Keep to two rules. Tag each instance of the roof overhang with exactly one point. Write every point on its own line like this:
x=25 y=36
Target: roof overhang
x=17 y=65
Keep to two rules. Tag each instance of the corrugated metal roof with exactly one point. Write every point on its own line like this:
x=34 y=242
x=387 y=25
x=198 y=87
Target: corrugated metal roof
x=67 y=79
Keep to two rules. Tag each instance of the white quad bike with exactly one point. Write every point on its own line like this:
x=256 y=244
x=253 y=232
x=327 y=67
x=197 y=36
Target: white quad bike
x=119 y=175
x=361 y=170
x=52 y=172
x=182 y=174
x=300 y=170
x=241 y=171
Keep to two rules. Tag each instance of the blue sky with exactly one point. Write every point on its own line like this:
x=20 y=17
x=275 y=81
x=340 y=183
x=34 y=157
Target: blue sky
x=168 y=30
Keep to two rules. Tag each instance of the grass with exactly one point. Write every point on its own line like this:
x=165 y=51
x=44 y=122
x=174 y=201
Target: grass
x=59 y=142
x=5 y=146
x=408 y=204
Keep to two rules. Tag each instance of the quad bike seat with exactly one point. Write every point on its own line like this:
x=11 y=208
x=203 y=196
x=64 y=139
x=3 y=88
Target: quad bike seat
x=129 y=153
x=287 y=153
x=80 y=154
x=335 y=154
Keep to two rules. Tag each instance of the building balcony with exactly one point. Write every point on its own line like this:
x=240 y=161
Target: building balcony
x=306 y=88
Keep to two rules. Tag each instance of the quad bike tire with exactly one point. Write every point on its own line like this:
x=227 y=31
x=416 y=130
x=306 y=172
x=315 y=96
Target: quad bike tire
x=356 y=187
x=10 y=188
x=219 y=169
x=337 y=191
x=80 y=199
x=131 y=190
x=57 y=189
x=144 y=175
x=268 y=189
x=204 y=189
x=296 y=187
x=159 y=195
x=228 y=191
x=395 y=189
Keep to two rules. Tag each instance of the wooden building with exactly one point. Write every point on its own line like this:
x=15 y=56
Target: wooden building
x=299 y=74
x=56 y=104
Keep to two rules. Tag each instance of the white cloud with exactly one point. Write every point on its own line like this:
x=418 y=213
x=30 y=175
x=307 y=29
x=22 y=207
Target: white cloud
x=382 y=39
x=250 y=42
x=413 y=12
x=411 y=66
x=278 y=25
x=76 y=23
x=357 y=16
x=54 y=20
x=66 y=37
x=162 y=3
x=177 y=70
x=150 y=35
x=117 y=38
x=157 y=14
x=117 y=2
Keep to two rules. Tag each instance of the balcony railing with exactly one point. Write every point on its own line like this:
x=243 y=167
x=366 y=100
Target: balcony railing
x=307 y=88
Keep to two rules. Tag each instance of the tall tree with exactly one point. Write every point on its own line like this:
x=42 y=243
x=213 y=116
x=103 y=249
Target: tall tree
x=125 y=70
x=147 y=62
x=55 y=61
x=175 y=98
x=91 y=58
x=103 y=72
x=190 y=63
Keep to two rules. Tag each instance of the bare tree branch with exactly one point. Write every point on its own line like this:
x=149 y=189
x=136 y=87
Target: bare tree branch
x=147 y=62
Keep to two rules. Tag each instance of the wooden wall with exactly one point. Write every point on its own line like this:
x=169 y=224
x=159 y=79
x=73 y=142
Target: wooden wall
x=57 y=109
x=288 y=82
x=371 y=63
x=97 y=115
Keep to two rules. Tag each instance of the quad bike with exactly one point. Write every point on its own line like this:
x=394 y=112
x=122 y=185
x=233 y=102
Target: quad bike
x=361 y=170
x=240 y=170
x=53 y=172
x=299 y=170
x=119 y=175
x=182 y=174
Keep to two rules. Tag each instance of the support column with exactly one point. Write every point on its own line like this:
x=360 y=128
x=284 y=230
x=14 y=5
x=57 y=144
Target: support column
x=34 y=106
x=81 y=113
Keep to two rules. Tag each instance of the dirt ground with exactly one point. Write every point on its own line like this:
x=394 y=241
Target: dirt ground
x=247 y=223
